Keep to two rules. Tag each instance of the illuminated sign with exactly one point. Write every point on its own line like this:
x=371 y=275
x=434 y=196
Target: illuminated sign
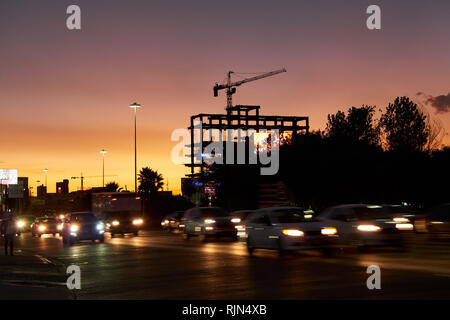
x=8 y=176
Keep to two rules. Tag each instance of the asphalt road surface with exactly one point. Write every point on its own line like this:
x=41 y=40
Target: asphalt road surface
x=159 y=265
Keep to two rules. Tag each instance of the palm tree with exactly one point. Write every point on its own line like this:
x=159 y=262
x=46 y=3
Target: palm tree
x=150 y=181
x=112 y=187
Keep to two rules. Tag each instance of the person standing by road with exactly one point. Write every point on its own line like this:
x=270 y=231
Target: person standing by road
x=9 y=232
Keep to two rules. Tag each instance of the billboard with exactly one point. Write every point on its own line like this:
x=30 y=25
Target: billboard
x=16 y=191
x=8 y=176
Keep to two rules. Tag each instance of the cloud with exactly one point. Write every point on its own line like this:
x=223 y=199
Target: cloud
x=440 y=103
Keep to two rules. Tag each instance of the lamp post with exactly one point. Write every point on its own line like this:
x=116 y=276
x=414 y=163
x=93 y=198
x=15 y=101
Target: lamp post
x=135 y=106
x=103 y=152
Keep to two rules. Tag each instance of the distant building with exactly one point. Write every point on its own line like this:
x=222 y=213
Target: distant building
x=18 y=195
x=62 y=187
x=41 y=191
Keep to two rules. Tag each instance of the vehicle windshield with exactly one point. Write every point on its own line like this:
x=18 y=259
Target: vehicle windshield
x=31 y=218
x=46 y=220
x=121 y=215
x=292 y=216
x=214 y=212
x=84 y=217
x=373 y=212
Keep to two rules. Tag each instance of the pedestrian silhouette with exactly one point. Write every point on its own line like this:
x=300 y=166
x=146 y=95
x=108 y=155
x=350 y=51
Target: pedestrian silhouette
x=9 y=232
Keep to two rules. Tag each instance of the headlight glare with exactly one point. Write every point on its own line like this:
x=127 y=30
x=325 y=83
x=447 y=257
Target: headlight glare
x=328 y=231
x=293 y=232
x=368 y=228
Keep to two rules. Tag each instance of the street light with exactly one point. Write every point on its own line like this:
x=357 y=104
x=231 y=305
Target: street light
x=46 y=171
x=135 y=106
x=103 y=152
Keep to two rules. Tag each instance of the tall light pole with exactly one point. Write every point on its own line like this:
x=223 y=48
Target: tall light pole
x=46 y=171
x=135 y=106
x=103 y=152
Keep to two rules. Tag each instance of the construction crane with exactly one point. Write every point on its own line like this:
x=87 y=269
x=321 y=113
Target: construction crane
x=231 y=86
x=81 y=177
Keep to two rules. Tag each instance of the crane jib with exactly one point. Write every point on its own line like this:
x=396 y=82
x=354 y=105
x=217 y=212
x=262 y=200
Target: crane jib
x=230 y=86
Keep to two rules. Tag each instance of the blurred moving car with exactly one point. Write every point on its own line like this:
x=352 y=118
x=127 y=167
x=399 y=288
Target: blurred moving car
x=437 y=220
x=171 y=221
x=82 y=226
x=208 y=222
x=122 y=222
x=24 y=223
x=45 y=225
x=287 y=229
x=238 y=218
x=404 y=216
x=362 y=225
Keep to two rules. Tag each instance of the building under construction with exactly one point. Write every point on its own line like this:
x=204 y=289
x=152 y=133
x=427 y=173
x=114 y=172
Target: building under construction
x=239 y=117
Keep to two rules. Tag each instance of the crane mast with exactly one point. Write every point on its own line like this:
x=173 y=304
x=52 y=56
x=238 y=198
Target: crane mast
x=231 y=86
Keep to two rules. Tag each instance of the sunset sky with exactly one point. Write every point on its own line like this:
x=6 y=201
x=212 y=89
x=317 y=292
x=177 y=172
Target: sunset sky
x=64 y=94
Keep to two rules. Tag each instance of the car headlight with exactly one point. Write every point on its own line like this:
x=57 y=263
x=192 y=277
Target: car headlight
x=74 y=228
x=236 y=220
x=293 y=232
x=404 y=226
x=100 y=226
x=401 y=220
x=42 y=228
x=138 y=221
x=210 y=221
x=368 y=228
x=60 y=226
x=328 y=231
x=20 y=223
x=115 y=223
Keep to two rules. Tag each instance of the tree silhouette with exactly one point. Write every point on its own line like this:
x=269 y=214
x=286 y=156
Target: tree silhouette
x=150 y=181
x=112 y=187
x=405 y=126
x=358 y=126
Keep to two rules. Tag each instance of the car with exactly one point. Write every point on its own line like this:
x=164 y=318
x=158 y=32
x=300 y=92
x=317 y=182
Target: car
x=24 y=223
x=287 y=229
x=404 y=216
x=122 y=222
x=437 y=221
x=171 y=221
x=363 y=225
x=239 y=218
x=45 y=225
x=208 y=222
x=80 y=226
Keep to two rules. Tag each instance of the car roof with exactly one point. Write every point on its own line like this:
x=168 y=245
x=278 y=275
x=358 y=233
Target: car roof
x=280 y=208
x=355 y=205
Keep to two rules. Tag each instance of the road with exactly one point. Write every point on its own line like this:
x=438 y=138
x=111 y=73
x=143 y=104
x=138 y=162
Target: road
x=159 y=265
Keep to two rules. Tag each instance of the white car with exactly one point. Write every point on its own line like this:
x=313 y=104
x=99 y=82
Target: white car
x=287 y=229
x=363 y=225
